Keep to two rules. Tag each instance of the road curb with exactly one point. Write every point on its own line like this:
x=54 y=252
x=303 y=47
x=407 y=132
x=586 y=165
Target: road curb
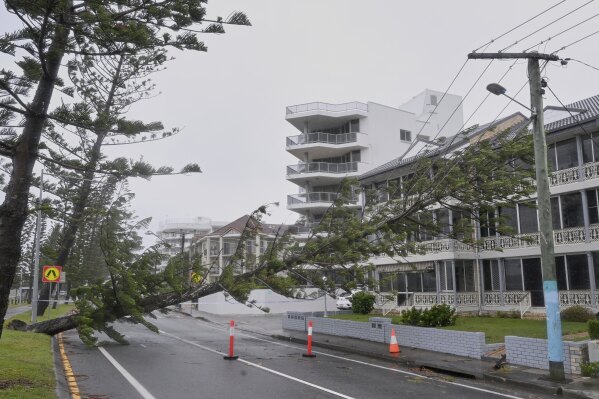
x=482 y=376
x=71 y=381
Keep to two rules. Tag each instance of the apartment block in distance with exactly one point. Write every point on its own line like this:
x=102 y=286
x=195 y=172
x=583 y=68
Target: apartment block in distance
x=335 y=141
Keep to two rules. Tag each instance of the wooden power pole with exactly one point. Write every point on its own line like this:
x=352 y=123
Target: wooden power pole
x=554 y=326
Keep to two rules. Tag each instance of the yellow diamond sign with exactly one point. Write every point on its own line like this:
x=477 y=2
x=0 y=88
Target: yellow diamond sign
x=51 y=274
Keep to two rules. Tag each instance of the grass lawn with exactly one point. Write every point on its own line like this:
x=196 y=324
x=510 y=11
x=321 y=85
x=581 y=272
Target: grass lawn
x=26 y=361
x=495 y=328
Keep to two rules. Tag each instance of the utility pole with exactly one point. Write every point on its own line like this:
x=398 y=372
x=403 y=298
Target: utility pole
x=554 y=326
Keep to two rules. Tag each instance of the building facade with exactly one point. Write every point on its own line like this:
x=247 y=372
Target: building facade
x=216 y=249
x=504 y=272
x=337 y=141
x=177 y=234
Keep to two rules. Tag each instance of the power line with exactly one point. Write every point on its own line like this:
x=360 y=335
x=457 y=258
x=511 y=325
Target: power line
x=516 y=27
x=545 y=26
x=562 y=32
x=577 y=41
x=583 y=63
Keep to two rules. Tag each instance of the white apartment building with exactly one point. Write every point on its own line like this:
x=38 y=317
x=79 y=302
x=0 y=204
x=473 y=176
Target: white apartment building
x=178 y=233
x=336 y=141
x=216 y=249
x=504 y=272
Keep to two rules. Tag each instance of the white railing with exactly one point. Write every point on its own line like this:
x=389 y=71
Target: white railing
x=318 y=106
x=467 y=299
x=320 y=137
x=460 y=299
x=564 y=176
x=524 y=305
x=591 y=170
x=507 y=298
x=444 y=245
x=575 y=297
x=322 y=167
x=572 y=235
x=425 y=298
x=315 y=197
x=594 y=232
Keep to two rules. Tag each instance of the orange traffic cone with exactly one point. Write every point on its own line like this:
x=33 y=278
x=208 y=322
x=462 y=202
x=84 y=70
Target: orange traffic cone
x=393 y=345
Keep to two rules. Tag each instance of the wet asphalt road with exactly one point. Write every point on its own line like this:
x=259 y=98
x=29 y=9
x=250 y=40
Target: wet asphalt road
x=185 y=361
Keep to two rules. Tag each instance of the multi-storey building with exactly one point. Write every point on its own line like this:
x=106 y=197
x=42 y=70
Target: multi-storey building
x=216 y=249
x=178 y=233
x=345 y=140
x=504 y=272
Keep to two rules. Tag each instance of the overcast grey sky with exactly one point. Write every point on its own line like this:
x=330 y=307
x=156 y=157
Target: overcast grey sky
x=231 y=101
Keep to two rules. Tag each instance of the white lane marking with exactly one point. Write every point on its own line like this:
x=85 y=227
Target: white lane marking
x=138 y=387
x=373 y=365
x=259 y=367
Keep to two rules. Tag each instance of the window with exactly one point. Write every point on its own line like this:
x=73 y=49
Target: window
x=464 y=276
x=528 y=218
x=442 y=216
x=429 y=282
x=354 y=125
x=513 y=275
x=596 y=267
x=572 y=215
x=491 y=274
x=445 y=276
x=590 y=148
x=555 y=213
x=405 y=135
x=567 y=155
x=578 y=272
x=560 y=271
x=593 y=208
x=487 y=223
x=509 y=218
x=433 y=99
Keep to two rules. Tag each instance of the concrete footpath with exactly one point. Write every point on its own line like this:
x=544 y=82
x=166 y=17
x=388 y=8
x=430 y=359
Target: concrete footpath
x=535 y=379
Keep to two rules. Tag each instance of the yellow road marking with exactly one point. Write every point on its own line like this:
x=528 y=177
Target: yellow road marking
x=68 y=370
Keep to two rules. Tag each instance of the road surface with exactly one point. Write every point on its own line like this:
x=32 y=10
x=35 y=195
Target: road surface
x=186 y=361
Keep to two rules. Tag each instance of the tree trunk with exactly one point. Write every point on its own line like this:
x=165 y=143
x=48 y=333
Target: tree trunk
x=13 y=211
x=70 y=232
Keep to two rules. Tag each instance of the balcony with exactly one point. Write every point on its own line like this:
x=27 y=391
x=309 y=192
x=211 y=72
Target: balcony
x=320 y=137
x=314 y=201
x=569 y=236
x=324 y=107
x=588 y=171
x=321 y=145
x=325 y=171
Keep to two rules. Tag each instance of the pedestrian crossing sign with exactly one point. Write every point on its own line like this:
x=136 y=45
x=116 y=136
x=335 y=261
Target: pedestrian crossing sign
x=51 y=274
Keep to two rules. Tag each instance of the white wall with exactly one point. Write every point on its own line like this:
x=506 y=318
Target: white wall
x=382 y=128
x=421 y=106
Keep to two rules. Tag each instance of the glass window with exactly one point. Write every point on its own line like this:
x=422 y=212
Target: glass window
x=592 y=204
x=487 y=223
x=354 y=125
x=429 y=281
x=572 y=215
x=528 y=218
x=567 y=156
x=587 y=150
x=446 y=276
x=464 y=279
x=560 y=271
x=395 y=188
x=578 y=272
x=596 y=267
x=551 y=157
x=414 y=282
x=555 y=213
x=491 y=274
x=513 y=275
x=433 y=99
x=509 y=218
x=405 y=135
x=442 y=221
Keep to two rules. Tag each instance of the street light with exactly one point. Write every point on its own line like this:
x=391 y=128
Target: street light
x=499 y=90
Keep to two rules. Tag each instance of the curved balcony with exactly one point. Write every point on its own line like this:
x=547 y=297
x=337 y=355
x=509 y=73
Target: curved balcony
x=325 y=171
x=320 y=137
x=321 y=144
x=314 y=201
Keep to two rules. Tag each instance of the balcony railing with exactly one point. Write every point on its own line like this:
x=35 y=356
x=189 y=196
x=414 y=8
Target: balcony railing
x=444 y=245
x=318 y=106
x=571 y=175
x=575 y=297
x=315 y=197
x=459 y=299
x=572 y=235
x=322 y=167
x=320 y=137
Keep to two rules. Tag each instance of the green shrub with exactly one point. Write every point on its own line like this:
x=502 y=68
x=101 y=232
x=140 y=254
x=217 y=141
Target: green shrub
x=594 y=329
x=436 y=316
x=589 y=369
x=577 y=313
x=411 y=316
x=362 y=302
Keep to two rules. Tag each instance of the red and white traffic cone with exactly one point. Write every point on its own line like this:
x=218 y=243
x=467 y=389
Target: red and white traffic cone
x=309 y=354
x=231 y=342
x=393 y=345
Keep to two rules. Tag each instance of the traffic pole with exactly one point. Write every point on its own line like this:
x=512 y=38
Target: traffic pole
x=231 y=342
x=309 y=354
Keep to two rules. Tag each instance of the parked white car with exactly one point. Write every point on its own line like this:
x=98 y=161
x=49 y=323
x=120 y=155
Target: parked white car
x=344 y=300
